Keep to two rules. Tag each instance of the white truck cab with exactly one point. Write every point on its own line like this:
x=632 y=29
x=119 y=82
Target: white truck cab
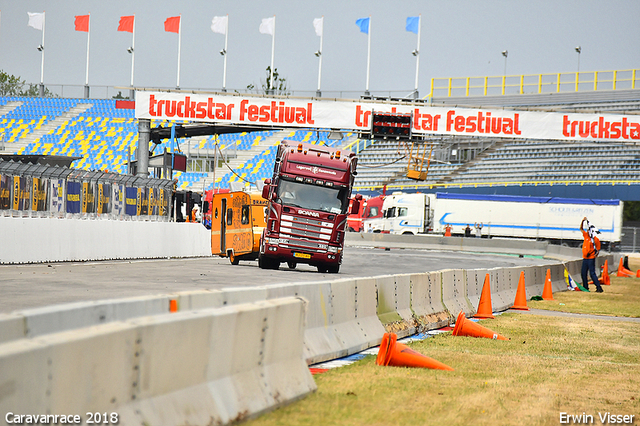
x=406 y=213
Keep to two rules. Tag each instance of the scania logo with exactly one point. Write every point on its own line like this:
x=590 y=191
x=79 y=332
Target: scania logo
x=308 y=213
x=315 y=170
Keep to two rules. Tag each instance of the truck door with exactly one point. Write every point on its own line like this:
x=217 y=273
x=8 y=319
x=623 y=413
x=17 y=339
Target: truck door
x=218 y=223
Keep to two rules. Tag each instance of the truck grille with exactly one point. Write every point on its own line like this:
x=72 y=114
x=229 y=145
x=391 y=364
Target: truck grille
x=306 y=232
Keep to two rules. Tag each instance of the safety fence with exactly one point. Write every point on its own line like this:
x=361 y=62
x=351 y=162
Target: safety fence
x=535 y=83
x=36 y=190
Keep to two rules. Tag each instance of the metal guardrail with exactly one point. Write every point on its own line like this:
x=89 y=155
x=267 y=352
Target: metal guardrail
x=509 y=183
x=536 y=83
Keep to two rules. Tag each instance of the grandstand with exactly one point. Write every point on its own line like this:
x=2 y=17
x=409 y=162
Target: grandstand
x=106 y=137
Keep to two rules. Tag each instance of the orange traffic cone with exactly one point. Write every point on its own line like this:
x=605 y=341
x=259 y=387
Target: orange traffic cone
x=547 y=291
x=396 y=354
x=485 y=309
x=521 y=295
x=604 y=279
x=465 y=327
x=622 y=271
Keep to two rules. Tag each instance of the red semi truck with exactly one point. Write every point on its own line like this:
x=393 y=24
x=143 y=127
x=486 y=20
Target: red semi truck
x=309 y=200
x=370 y=209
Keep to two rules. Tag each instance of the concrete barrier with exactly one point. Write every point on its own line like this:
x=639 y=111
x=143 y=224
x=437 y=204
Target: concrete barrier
x=52 y=319
x=60 y=240
x=454 y=292
x=394 y=304
x=168 y=369
x=426 y=301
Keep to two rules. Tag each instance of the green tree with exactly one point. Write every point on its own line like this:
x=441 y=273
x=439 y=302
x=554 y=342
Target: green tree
x=280 y=85
x=11 y=85
x=631 y=211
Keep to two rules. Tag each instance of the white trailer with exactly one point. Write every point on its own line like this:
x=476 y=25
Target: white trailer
x=546 y=218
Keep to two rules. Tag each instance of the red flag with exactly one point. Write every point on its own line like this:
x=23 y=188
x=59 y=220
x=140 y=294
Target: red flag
x=82 y=23
x=172 y=24
x=126 y=23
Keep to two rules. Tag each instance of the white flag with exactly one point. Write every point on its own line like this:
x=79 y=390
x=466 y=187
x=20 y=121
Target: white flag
x=267 y=25
x=36 y=20
x=219 y=24
x=317 y=24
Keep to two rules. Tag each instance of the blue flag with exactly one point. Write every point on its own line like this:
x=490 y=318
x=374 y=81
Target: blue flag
x=363 y=23
x=413 y=24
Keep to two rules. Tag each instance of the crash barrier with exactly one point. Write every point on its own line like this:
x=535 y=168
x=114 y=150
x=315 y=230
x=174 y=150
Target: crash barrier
x=344 y=315
x=522 y=247
x=37 y=190
x=29 y=240
x=211 y=366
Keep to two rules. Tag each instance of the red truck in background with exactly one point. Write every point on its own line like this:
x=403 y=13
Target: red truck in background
x=309 y=200
x=370 y=208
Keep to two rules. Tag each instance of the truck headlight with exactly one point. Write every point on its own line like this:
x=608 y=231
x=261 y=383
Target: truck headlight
x=332 y=249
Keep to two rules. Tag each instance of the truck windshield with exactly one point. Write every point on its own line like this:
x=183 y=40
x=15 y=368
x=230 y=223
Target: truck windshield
x=313 y=197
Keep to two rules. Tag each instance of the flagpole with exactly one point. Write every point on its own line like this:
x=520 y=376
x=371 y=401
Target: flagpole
x=273 y=49
x=86 y=79
x=133 y=47
x=224 y=67
x=42 y=62
x=179 y=43
x=318 y=93
x=368 y=55
x=415 y=95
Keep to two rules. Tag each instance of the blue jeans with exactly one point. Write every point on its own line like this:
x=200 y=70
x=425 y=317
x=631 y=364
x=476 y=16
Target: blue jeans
x=589 y=265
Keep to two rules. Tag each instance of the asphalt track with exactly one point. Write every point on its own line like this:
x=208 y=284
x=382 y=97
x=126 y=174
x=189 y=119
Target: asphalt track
x=30 y=286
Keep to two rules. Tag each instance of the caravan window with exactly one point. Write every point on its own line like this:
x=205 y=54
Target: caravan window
x=245 y=215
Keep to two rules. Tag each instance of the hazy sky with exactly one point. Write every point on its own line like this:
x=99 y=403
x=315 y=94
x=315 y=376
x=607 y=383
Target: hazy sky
x=458 y=38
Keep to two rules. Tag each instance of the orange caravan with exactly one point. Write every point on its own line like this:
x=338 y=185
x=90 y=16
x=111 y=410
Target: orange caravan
x=237 y=222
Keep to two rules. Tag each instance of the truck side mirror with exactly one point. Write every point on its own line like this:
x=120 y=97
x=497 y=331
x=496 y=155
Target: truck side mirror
x=265 y=188
x=355 y=205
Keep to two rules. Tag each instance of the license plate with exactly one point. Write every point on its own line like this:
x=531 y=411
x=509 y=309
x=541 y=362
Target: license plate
x=302 y=255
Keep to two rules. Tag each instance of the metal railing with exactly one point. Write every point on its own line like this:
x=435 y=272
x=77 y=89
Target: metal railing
x=584 y=81
x=434 y=185
x=109 y=92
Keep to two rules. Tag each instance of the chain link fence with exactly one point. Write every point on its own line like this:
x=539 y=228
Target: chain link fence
x=630 y=239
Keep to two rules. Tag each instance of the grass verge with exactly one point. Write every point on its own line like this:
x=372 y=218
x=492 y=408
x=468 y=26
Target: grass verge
x=551 y=365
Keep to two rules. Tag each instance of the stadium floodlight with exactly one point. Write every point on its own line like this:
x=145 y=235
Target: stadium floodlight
x=223 y=52
x=40 y=48
x=415 y=52
x=317 y=53
x=130 y=49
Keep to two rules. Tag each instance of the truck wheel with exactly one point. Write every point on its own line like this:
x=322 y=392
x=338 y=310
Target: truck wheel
x=262 y=264
x=233 y=259
x=333 y=269
x=322 y=269
x=292 y=265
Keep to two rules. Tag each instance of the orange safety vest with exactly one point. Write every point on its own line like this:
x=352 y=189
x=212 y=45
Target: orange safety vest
x=588 y=251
